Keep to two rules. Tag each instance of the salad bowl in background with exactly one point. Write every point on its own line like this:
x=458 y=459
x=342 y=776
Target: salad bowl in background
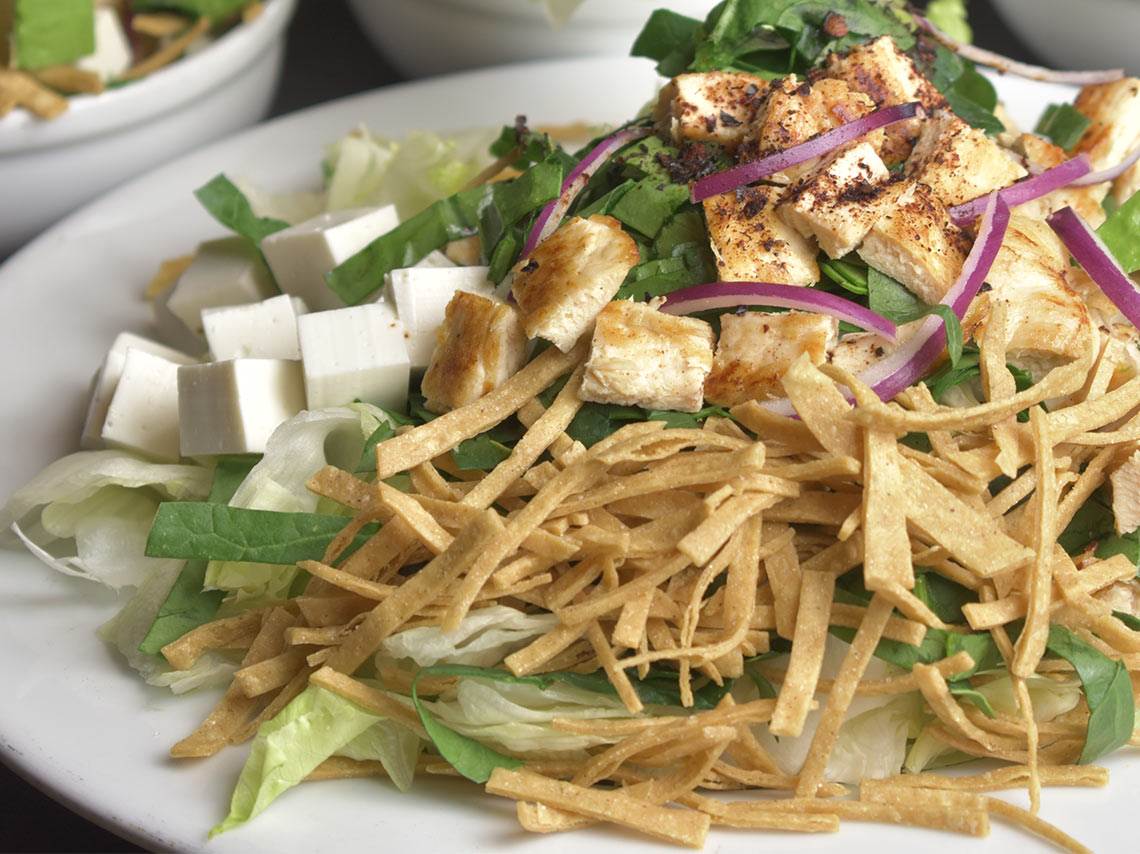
x=1069 y=35
x=425 y=37
x=49 y=168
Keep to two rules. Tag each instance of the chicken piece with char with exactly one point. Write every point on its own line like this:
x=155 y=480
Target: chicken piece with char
x=756 y=348
x=479 y=345
x=1040 y=154
x=916 y=243
x=840 y=202
x=752 y=243
x=959 y=162
x=794 y=111
x=1047 y=323
x=640 y=356
x=885 y=73
x=711 y=106
x=563 y=284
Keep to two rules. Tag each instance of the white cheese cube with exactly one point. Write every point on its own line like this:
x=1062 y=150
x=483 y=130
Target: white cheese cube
x=420 y=296
x=300 y=255
x=257 y=330
x=224 y=272
x=113 y=54
x=143 y=414
x=354 y=353
x=232 y=407
x=435 y=258
x=107 y=380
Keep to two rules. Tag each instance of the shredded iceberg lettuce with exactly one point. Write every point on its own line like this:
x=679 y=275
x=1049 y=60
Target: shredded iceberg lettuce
x=484 y=638
x=88 y=513
x=295 y=451
x=314 y=726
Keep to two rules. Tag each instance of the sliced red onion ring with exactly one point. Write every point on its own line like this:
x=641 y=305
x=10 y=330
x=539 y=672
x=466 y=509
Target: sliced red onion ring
x=909 y=362
x=732 y=294
x=1097 y=260
x=817 y=146
x=576 y=181
x=1111 y=173
x=1027 y=190
x=1011 y=66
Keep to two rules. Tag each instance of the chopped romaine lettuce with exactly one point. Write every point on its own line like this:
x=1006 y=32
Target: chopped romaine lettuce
x=52 y=32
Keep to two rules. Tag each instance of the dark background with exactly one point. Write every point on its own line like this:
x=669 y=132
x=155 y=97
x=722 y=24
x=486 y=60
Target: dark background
x=326 y=58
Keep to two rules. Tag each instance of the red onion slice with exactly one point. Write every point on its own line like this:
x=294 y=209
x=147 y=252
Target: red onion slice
x=1111 y=173
x=1027 y=190
x=1011 y=66
x=1096 y=259
x=732 y=294
x=908 y=363
x=817 y=146
x=576 y=181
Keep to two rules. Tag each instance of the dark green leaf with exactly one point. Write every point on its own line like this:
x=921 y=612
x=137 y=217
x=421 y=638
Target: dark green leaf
x=1108 y=690
x=1121 y=234
x=471 y=758
x=229 y=206
x=943 y=596
x=229 y=472
x=963 y=689
x=849 y=275
x=1128 y=620
x=1064 y=124
x=200 y=530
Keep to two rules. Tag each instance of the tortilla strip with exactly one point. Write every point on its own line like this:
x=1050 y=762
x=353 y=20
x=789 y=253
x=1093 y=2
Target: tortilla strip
x=429 y=440
x=822 y=407
x=168 y=52
x=808 y=644
x=790 y=432
x=673 y=825
x=1030 y=646
x=417 y=591
x=371 y=699
x=237 y=632
x=886 y=543
x=842 y=691
x=234 y=708
x=973 y=538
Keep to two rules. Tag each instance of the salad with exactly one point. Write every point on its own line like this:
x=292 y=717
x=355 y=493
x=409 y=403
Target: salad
x=51 y=49
x=597 y=541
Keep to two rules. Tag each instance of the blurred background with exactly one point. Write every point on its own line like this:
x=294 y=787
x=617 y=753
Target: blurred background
x=327 y=56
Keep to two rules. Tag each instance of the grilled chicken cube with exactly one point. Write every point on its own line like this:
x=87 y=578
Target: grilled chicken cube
x=857 y=351
x=916 y=243
x=890 y=77
x=479 y=345
x=839 y=202
x=711 y=106
x=756 y=348
x=959 y=162
x=1040 y=154
x=1114 y=112
x=1047 y=323
x=1126 y=498
x=563 y=284
x=794 y=111
x=640 y=356
x=752 y=244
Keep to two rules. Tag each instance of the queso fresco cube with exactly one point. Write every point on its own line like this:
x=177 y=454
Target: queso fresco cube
x=355 y=353
x=143 y=413
x=258 y=330
x=421 y=295
x=300 y=255
x=107 y=381
x=232 y=407
x=224 y=272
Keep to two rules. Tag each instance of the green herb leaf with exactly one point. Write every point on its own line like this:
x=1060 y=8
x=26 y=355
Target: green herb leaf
x=200 y=530
x=894 y=301
x=229 y=206
x=52 y=33
x=1064 y=124
x=1107 y=687
x=1121 y=234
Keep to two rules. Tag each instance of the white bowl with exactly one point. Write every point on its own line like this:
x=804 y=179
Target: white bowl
x=48 y=168
x=424 y=37
x=1089 y=34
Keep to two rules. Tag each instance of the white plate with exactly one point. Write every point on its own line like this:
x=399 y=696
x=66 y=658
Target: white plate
x=78 y=722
